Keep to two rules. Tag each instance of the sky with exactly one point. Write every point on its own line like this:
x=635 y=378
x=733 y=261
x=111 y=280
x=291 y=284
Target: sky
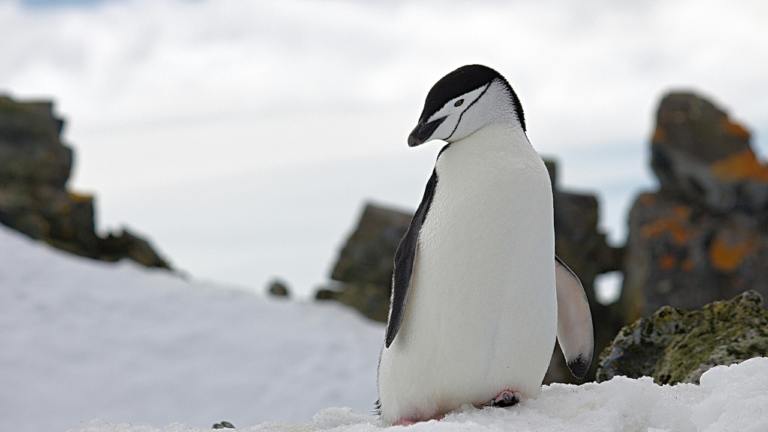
x=243 y=137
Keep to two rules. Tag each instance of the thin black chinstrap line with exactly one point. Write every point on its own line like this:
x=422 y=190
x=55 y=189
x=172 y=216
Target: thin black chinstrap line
x=470 y=106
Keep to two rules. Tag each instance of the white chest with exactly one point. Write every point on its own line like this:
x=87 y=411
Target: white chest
x=493 y=196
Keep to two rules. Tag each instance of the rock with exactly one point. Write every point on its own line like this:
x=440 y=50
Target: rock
x=278 y=289
x=584 y=249
x=367 y=255
x=675 y=346
x=704 y=158
x=681 y=256
x=34 y=199
x=370 y=299
x=364 y=267
x=326 y=294
x=128 y=245
x=704 y=235
x=30 y=150
x=579 y=243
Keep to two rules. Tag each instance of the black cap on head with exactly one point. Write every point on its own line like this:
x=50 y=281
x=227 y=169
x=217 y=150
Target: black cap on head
x=463 y=80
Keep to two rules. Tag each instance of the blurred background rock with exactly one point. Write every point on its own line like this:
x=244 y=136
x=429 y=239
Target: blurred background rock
x=363 y=271
x=34 y=199
x=278 y=288
x=703 y=235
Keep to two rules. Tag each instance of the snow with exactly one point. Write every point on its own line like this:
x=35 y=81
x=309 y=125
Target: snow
x=81 y=338
x=96 y=347
x=730 y=398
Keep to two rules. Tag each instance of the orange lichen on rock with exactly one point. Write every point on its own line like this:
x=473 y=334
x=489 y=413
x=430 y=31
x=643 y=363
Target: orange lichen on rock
x=674 y=228
x=667 y=262
x=687 y=265
x=728 y=257
x=741 y=166
x=646 y=199
x=734 y=129
x=682 y=212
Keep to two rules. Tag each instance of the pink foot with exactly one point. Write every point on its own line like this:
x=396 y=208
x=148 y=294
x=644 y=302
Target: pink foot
x=404 y=422
x=408 y=422
x=505 y=399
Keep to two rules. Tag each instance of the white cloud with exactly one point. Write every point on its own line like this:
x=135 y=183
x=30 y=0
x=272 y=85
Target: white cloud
x=161 y=92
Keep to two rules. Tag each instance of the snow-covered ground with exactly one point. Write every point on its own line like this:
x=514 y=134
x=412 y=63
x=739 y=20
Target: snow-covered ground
x=731 y=398
x=81 y=338
x=130 y=349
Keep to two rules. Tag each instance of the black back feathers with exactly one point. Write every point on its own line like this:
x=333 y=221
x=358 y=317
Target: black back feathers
x=463 y=80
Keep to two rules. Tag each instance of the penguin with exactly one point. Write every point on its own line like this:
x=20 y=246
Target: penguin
x=478 y=295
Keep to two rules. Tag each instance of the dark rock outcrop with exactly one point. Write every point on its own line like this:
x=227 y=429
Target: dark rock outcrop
x=364 y=267
x=703 y=236
x=580 y=244
x=34 y=169
x=675 y=346
x=703 y=157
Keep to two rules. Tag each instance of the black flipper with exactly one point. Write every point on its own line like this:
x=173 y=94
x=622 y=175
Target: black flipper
x=404 y=259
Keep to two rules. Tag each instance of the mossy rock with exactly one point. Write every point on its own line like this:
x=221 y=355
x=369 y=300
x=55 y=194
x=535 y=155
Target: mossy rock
x=675 y=346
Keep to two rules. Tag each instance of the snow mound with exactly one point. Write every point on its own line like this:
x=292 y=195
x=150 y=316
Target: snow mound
x=82 y=338
x=730 y=398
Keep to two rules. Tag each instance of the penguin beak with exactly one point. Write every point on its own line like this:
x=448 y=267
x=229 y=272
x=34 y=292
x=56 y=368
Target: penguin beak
x=423 y=131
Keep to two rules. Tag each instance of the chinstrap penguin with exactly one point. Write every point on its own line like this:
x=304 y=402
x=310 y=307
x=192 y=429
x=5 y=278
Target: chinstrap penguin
x=478 y=295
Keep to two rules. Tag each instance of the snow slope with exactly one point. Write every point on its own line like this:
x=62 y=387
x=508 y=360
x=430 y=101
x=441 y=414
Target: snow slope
x=81 y=338
x=145 y=351
x=733 y=398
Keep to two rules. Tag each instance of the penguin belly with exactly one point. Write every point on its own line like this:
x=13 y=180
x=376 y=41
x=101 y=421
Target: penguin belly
x=481 y=316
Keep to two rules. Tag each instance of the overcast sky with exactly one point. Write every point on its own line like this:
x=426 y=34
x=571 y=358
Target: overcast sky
x=243 y=136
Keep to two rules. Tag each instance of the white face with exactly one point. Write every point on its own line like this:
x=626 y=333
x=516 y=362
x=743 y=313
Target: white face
x=463 y=115
x=453 y=112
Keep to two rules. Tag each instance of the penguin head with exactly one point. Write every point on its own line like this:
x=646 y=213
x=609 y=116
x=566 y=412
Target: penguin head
x=464 y=101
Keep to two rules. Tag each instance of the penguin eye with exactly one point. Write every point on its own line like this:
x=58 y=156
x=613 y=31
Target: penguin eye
x=459 y=102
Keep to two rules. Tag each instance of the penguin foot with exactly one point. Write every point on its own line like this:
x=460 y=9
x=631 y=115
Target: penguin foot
x=409 y=422
x=505 y=399
x=404 y=422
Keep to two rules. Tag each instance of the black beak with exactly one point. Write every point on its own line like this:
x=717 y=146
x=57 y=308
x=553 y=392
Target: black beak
x=423 y=131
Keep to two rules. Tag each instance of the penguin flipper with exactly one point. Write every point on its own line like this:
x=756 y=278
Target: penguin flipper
x=574 y=320
x=404 y=260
